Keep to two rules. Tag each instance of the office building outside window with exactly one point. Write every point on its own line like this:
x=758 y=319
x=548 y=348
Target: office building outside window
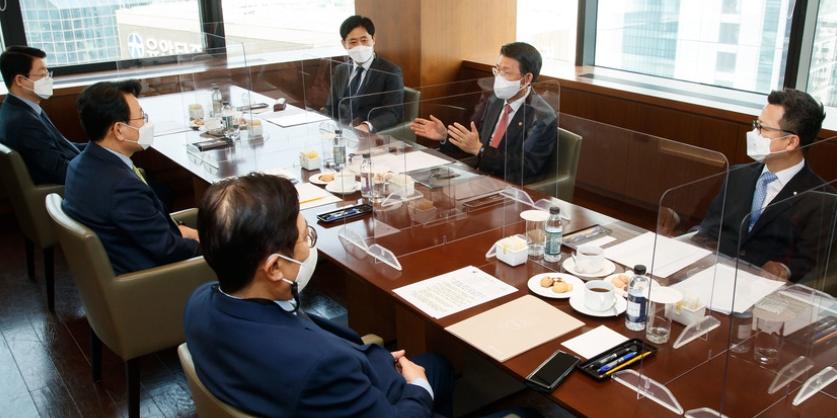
x=729 y=43
x=550 y=26
x=74 y=32
x=822 y=75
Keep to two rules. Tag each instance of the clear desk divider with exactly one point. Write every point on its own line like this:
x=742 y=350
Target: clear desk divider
x=695 y=330
x=815 y=384
x=789 y=373
x=704 y=413
x=649 y=388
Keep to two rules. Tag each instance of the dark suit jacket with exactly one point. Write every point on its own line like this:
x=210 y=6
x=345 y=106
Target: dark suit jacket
x=380 y=98
x=527 y=148
x=254 y=355
x=103 y=193
x=44 y=149
x=788 y=231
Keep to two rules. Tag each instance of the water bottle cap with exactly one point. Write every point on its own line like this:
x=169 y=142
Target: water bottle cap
x=639 y=269
x=366 y=155
x=554 y=210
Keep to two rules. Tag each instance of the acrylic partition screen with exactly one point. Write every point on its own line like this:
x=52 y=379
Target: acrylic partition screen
x=701 y=316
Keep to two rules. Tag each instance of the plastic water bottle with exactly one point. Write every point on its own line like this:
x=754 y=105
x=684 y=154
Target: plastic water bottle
x=217 y=101
x=366 y=177
x=636 y=314
x=228 y=119
x=554 y=236
x=339 y=149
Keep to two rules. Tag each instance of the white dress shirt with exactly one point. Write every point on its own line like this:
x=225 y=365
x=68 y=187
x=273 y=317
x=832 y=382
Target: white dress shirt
x=782 y=178
x=515 y=105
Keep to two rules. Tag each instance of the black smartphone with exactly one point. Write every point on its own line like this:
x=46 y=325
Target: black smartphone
x=344 y=213
x=552 y=371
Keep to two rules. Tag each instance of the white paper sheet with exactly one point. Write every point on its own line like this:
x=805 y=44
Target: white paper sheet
x=452 y=292
x=594 y=342
x=401 y=163
x=670 y=255
x=311 y=196
x=720 y=294
x=286 y=120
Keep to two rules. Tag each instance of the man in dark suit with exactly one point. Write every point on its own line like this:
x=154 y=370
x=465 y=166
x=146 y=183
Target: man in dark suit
x=367 y=92
x=106 y=192
x=515 y=135
x=24 y=126
x=781 y=236
x=255 y=350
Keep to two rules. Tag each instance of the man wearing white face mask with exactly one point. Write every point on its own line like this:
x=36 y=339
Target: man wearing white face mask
x=515 y=133
x=780 y=236
x=106 y=192
x=24 y=126
x=367 y=92
x=255 y=350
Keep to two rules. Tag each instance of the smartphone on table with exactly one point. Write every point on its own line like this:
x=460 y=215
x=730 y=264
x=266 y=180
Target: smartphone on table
x=552 y=371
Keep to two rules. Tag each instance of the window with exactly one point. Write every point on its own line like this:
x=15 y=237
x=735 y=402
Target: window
x=679 y=38
x=105 y=31
x=550 y=26
x=822 y=75
x=269 y=26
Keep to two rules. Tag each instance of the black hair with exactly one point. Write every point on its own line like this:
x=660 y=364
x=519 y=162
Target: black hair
x=354 y=21
x=103 y=104
x=527 y=57
x=17 y=60
x=243 y=220
x=803 y=115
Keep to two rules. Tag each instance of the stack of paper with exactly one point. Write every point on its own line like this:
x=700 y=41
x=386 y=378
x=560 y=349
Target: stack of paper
x=311 y=196
x=669 y=255
x=452 y=292
x=594 y=342
x=514 y=327
x=286 y=119
x=401 y=163
x=719 y=288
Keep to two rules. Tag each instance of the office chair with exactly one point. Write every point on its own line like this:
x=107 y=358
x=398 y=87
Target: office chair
x=28 y=204
x=562 y=173
x=133 y=314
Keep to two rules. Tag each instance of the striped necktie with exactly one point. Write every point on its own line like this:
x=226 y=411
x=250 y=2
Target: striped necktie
x=759 y=196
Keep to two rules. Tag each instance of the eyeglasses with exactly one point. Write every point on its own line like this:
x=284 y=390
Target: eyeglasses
x=143 y=117
x=757 y=125
x=43 y=73
x=505 y=74
x=312 y=235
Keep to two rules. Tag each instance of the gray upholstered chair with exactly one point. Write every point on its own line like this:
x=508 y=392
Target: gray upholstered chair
x=402 y=131
x=562 y=175
x=28 y=204
x=133 y=314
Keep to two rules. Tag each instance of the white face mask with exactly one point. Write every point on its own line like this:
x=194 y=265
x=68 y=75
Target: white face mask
x=505 y=89
x=146 y=135
x=361 y=53
x=306 y=270
x=758 y=147
x=42 y=87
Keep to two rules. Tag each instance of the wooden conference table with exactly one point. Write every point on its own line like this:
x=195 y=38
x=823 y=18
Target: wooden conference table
x=701 y=374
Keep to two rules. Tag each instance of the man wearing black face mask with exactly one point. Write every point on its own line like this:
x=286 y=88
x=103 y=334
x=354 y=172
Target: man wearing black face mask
x=255 y=350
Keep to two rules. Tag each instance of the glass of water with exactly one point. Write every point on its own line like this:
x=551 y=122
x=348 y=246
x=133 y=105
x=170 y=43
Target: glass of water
x=768 y=339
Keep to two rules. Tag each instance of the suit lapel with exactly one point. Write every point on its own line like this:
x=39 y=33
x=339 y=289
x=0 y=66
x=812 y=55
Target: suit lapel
x=492 y=114
x=801 y=182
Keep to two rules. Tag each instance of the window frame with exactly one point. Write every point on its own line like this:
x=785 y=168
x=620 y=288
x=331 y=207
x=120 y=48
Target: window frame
x=800 y=42
x=211 y=23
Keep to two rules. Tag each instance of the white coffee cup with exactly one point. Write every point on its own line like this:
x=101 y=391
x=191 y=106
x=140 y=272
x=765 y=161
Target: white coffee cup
x=344 y=182
x=212 y=124
x=599 y=295
x=588 y=259
x=195 y=111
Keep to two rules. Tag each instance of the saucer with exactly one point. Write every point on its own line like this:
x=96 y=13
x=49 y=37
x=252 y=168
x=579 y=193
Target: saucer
x=535 y=286
x=577 y=303
x=335 y=187
x=607 y=268
x=315 y=178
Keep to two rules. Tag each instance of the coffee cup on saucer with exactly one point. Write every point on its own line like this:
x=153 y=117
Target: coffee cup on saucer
x=599 y=295
x=588 y=259
x=212 y=124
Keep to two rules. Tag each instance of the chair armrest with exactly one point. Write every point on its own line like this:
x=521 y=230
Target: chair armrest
x=150 y=304
x=188 y=216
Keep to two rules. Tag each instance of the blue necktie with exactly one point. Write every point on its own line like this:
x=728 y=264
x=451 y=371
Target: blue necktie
x=759 y=196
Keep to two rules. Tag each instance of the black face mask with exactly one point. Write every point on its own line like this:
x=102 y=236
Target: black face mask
x=294 y=293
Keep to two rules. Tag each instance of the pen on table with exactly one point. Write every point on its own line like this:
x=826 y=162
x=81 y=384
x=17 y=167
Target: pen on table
x=310 y=200
x=612 y=356
x=616 y=362
x=628 y=363
x=824 y=335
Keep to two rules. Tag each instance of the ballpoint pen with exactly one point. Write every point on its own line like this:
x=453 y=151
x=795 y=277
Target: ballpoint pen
x=628 y=363
x=612 y=357
x=616 y=362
